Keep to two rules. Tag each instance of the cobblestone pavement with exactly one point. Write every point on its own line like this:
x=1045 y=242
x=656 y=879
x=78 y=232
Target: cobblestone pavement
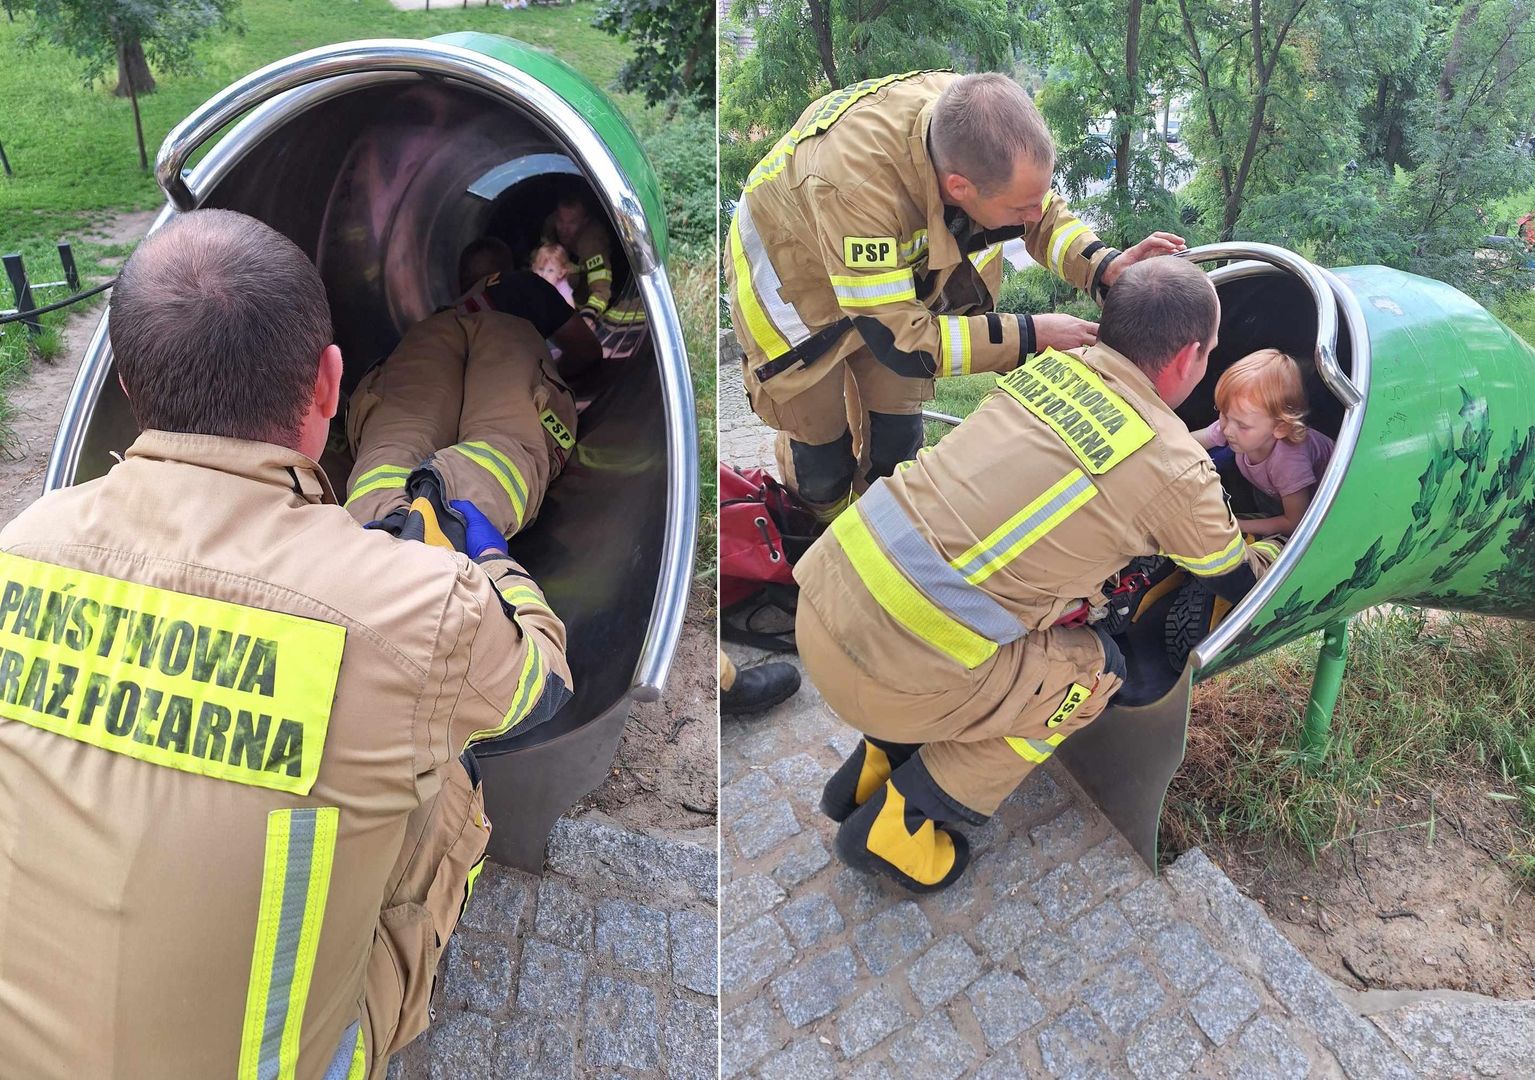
x=606 y=966
x=1058 y=954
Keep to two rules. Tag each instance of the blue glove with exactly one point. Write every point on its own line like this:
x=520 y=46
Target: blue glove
x=481 y=535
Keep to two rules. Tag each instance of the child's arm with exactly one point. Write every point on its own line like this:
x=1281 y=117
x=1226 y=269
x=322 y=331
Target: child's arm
x=1205 y=439
x=1294 y=509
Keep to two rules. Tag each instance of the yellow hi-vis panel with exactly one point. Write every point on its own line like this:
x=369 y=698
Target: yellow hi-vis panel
x=1100 y=426
x=200 y=685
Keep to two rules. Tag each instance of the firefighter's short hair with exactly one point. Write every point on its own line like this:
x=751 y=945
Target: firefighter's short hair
x=218 y=323
x=982 y=125
x=1155 y=308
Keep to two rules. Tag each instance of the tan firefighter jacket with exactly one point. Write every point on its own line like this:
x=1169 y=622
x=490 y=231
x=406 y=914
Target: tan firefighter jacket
x=592 y=252
x=841 y=239
x=222 y=704
x=1068 y=470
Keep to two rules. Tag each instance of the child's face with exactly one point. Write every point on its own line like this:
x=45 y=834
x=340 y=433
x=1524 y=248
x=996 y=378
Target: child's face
x=550 y=267
x=1248 y=429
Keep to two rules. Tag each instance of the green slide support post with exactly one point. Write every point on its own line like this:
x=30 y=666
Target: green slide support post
x=1429 y=499
x=1325 y=684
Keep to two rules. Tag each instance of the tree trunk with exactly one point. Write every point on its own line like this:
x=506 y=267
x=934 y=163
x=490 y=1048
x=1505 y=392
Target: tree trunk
x=1132 y=82
x=1263 y=74
x=1456 y=55
x=820 y=24
x=133 y=75
x=138 y=129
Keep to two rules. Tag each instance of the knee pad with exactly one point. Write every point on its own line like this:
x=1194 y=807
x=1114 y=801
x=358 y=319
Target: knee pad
x=823 y=471
x=1113 y=658
x=893 y=438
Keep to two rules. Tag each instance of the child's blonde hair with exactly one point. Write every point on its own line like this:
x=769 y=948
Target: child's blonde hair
x=1271 y=380
x=557 y=253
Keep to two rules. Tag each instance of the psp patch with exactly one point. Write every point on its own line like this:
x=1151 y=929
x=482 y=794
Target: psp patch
x=1069 y=705
x=557 y=430
x=594 y=263
x=870 y=252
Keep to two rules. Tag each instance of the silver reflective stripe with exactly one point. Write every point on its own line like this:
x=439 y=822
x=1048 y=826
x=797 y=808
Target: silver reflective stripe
x=870 y=293
x=341 y=1064
x=1024 y=527
x=766 y=280
x=926 y=569
x=290 y=926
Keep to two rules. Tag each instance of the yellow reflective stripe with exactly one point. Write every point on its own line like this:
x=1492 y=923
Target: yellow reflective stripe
x=981 y=258
x=359 y=1067
x=773 y=163
x=1061 y=241
x=1026 y=527
x=1045 y=203
x=295 y=883
x=385 y=476
x=1266 y=548
x=623 y=315
x=522 y=595
x=176 y=680
x=953 y=345
x=1036 y=750
x=599 y=275
x=1221 y=562
x=902 y=600
x=872 y=290
x=597 y=304
x=758 y=325
x=502 y=468
x=530 y=686
x=912 y=249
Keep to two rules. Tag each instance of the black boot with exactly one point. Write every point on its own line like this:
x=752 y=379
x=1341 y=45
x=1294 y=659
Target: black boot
x=759 y=688
x=898 y=834
x=862 y=774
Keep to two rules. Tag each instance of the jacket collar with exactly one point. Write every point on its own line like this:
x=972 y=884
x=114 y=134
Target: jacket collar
x=945 y=248
x=266 y=463
x=1108 y=361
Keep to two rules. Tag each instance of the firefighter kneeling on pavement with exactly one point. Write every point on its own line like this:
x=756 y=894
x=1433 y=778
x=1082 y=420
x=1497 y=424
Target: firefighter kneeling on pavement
x=928 y=612
x=240 y=818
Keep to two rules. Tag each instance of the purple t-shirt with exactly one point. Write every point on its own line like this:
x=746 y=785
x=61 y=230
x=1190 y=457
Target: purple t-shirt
x=1288 y=468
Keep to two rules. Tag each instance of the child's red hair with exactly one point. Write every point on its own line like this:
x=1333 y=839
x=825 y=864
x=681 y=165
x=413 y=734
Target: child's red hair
x=1271 y=381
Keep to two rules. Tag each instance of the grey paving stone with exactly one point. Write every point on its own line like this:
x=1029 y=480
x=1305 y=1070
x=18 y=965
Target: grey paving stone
x=534 y=1048
x=810 y=918
x=1003 y=1007
x=933 y=1050
x=1002 y=1065
x=459 y=1045
x=1010 y=866
x=765 y=827
x=1063 y=893
x=863 y=1024
x=1267 y=1053
x=800 y=771
x=1443 y=1037
x=743 y=899
x=500 y=895
x=1052 y=963
x=754 y=788
x=633 y=935
x=858 y=895
x=1184 y=956
x=803 y=1060
x=549 y=979
x=751 y=954
x=1163 y=1049
x=479 y=974
x=844 y=740
x=1112 y=865
x=1149 y=907
x=893 y=935
x=872 y=1070
x=1224 y=1004
x=563 y=915
x=692 y=1040
x=1101 y=933
x=695 y=951
x=814 y=988
x=1039 y=793
x=962 y=899
x=591 y=850
x=1062 y=835
x=943 y=971
x=752 y=1029
x=1124 y=994
x=1074 y=1043
x=620 y=1025
x=732 y=768
x=1009 y=924
x=800 y=860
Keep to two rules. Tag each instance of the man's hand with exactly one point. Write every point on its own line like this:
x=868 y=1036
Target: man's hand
x=1158 y=243
x=481 y=537
x=1063 y=332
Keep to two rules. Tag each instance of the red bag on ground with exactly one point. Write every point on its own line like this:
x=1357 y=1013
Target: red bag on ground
x=763 y=529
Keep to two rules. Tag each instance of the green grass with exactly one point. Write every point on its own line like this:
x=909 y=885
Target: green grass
x=1429 y=697
x=76 y=164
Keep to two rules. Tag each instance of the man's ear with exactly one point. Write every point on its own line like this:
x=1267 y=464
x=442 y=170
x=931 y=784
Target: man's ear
x=956 y=188
x=327 y=383
x=1186 y=359
x=124 y=386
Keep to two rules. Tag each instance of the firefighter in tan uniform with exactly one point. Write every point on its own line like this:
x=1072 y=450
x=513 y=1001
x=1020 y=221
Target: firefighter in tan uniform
x=591 y=249
x=467 y=407
x=240 y=821
x=928 y=612
x=872 y=233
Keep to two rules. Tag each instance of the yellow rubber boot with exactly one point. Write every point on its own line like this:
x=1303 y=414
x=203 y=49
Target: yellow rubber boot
x=896 y=834
x=861 y=775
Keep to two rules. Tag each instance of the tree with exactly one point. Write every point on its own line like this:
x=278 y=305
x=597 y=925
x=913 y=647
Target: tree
x=129 y=34
x=673 y=47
